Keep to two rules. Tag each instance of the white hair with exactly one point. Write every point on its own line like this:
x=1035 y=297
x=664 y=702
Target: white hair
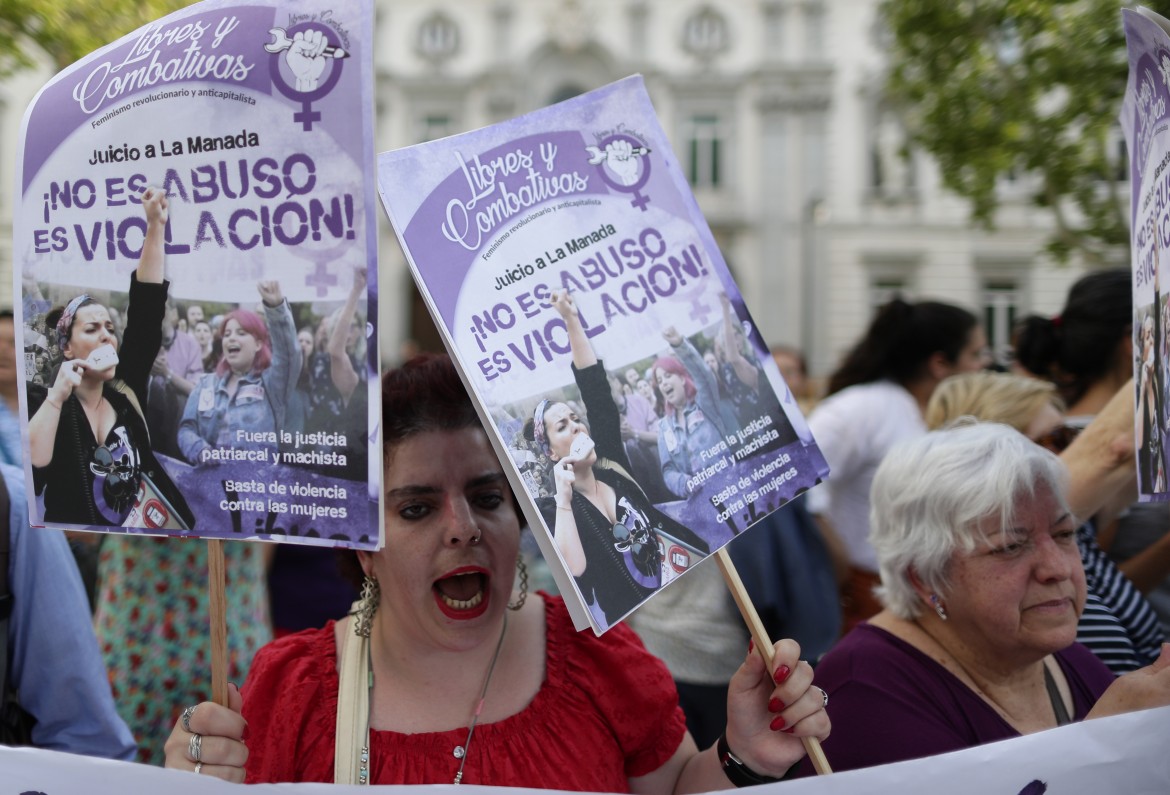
x=931 y=495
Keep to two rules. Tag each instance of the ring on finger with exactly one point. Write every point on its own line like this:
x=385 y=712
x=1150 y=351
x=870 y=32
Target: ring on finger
x=198 y=768
x=195 y=748
x=824 y=697
x=185 y=718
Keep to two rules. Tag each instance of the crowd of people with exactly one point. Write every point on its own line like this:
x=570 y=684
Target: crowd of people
x=1010 y=590
x=245 y=368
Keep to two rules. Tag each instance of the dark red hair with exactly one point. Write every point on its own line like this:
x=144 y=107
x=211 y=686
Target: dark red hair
x=424 y=394
x=253 y=324
x=674 y=367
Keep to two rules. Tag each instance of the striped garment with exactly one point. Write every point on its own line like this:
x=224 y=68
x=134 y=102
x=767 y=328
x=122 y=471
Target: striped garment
x=1118 y=623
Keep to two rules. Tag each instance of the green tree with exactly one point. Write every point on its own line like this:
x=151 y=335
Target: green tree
x=69 y=29
x=1027 y=87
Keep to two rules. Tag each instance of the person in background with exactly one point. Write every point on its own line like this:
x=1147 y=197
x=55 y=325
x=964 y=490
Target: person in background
x=640 y=434
x=457 y=660
x=693 y=419
x=338 y=389
x=252 y=385
x=1118 y=624
x=11 y=447
x=194 y=315
x=1087 y=351
x=206 y=339
x=305 y=341
x=983 y=587
x=794 y=368
x=53 y=661
x=736 y=369
x=876 y=399
x=298 y=408
x=644 y=388
x=177 y=368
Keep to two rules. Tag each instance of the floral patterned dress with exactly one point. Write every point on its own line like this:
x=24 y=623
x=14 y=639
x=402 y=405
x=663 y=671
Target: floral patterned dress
x=153 y=626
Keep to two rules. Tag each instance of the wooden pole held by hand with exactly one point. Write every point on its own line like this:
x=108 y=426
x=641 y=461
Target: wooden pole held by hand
x=812 y=746
x=217 y=604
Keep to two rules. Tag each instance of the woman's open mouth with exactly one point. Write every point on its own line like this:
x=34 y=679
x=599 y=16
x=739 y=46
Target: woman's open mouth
x=463 y=593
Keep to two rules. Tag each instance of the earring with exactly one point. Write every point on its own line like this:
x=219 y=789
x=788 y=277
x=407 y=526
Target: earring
x=522 y=571
x=367 y=606
x=938 y=606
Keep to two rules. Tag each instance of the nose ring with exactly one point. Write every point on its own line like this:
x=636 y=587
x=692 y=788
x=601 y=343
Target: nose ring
x=473 y=540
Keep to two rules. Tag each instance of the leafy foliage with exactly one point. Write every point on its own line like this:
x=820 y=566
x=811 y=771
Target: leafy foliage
x=69 y=29
x=1030 y=88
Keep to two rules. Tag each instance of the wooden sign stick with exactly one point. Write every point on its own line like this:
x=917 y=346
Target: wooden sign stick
x=812 y=746
x=217 y=604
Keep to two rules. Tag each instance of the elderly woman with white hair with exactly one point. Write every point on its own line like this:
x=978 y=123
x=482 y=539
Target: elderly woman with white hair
x=982 y=585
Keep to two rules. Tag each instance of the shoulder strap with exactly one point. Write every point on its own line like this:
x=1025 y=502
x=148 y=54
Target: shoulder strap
x=614 y=466
x=1058 y=707
x=353 y=705
x=122 y=388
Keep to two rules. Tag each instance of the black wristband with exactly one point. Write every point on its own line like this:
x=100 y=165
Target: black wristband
x=736 y=771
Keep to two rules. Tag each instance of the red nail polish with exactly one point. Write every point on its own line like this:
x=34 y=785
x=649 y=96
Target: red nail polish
x=781 y=674
x=789 y=730
x=778 y=723
x=751 y=645
x=775 y=705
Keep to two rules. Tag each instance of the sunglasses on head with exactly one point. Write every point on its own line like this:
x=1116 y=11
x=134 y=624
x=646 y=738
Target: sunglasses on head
x=641 y=546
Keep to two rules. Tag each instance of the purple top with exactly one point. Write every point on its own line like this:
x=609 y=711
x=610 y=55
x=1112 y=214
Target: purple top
x=889 y=702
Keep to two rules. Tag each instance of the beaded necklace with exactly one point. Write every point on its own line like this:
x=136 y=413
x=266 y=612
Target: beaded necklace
x=460 y=751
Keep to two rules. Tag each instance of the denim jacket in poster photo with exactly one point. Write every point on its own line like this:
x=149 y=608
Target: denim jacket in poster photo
x=213 y=418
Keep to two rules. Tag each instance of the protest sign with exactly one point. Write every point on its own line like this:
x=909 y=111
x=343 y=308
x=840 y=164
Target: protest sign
x=566 y=237
x=1123 y=753
x=1144 y=119
x=255 y=120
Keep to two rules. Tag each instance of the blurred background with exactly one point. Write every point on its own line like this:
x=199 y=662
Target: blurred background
x=843 y=151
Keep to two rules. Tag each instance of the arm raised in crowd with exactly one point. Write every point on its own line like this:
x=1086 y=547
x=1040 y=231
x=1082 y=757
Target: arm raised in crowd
x=345 y=378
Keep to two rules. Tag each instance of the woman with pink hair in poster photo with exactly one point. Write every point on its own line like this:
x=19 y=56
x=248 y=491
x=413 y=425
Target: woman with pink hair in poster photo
x=242 y=405
x=694 y=420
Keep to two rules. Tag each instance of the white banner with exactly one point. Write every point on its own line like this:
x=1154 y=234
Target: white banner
x=1125 y=754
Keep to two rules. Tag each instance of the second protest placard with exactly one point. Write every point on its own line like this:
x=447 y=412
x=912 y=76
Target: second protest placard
x=604 y=341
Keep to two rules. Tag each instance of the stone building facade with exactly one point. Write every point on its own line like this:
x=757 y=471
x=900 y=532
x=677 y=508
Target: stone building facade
x=774 y=108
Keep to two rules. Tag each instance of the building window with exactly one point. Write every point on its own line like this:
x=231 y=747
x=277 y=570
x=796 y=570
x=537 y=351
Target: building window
x=891 y=174
x=814 y=25
x=565 y=92
x=1001 y=302
x=1117 y=156
x=434 y=125
x=438 y=38
x=705 y=33
x=705 y=151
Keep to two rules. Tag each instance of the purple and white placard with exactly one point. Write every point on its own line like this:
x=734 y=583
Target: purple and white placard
x=256 y=120
x=1145 y=117
x=586 y=196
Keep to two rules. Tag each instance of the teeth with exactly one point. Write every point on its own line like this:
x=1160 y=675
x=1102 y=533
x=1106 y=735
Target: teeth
x=462 y=604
